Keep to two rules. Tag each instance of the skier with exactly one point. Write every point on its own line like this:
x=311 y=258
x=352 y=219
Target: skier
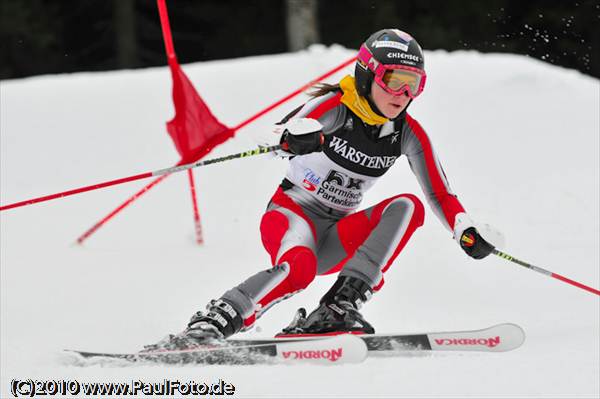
x=340 y=142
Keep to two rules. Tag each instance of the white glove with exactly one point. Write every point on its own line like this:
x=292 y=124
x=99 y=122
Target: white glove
x=301 y=126
x=302 y=136
x=477 y=240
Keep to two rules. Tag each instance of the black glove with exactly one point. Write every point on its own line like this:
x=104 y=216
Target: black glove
x=474 y=245
x=303 y=143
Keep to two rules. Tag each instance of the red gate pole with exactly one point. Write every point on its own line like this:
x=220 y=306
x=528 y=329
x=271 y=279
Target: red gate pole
x=124 y=205
x=171 y=57
x=197 y=225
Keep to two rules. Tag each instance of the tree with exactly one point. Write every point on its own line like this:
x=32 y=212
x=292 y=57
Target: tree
x=301 y=23
x=125 y=36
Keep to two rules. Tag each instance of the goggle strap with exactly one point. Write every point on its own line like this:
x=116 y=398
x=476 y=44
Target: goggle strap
x=367 y=58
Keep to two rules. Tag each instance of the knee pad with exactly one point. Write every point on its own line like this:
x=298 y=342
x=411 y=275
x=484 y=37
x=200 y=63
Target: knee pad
x=273 y=226
x=303 y=267
x=418 y=211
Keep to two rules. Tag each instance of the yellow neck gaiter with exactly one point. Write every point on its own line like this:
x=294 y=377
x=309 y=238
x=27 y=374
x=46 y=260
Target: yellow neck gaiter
x=359 y=105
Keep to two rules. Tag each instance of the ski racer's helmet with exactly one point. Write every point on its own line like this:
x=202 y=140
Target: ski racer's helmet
x=394 y=60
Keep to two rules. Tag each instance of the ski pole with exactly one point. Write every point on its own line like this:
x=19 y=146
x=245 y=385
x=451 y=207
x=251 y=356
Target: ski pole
x=546 y=272
x=160 y=172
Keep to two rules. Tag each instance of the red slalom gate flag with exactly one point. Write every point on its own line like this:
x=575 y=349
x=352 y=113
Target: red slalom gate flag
x=194 y=129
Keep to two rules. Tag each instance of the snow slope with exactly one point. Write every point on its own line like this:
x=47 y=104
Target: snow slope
x=519 y=141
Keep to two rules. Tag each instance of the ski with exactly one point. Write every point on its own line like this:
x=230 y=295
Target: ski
x=499 y=338
x=327 y=349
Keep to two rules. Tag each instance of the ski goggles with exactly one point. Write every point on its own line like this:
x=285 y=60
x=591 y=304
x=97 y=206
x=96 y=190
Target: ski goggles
x=394 y=79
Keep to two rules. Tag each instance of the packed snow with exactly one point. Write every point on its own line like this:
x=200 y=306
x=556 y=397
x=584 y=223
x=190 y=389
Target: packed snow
x=519 y=141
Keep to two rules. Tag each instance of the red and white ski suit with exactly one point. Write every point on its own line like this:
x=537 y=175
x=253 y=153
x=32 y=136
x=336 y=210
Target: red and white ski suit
x=311 y=226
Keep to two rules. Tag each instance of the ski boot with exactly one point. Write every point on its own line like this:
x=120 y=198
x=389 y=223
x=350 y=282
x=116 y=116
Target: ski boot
x=220 y=321
x=337 y=311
